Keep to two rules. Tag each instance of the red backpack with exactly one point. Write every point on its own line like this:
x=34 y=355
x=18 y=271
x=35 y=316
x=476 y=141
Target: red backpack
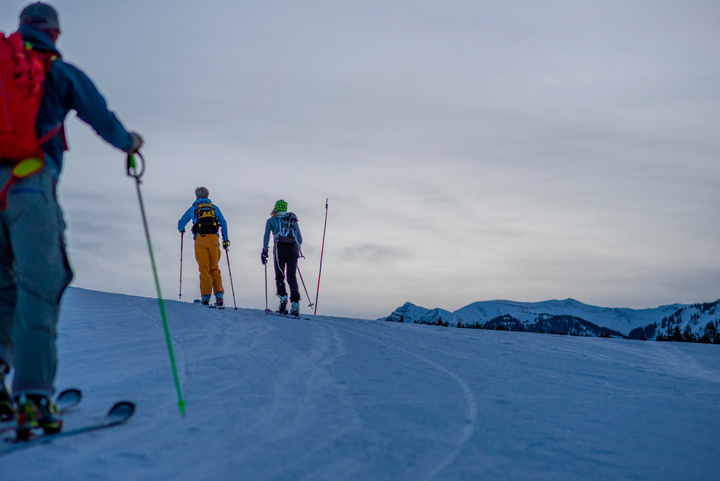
x=22 y=75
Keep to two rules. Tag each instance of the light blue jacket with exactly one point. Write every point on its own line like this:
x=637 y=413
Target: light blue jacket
x=190 y=216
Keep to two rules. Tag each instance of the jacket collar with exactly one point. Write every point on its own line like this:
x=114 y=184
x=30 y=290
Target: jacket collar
x=38 y=38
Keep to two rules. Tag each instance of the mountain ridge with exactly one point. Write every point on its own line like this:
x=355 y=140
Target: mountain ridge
x=570 y=316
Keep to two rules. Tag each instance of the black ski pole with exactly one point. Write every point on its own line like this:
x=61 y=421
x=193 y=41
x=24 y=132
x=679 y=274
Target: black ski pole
x=182 y=236
x=306 y=291
x=267 y=311
x=132 y=171
x=227 y=256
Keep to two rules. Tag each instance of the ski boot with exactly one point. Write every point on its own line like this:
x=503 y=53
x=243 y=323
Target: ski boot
x=219 y=299
x=7 y=406
x=36 y=412
x=295 y=309
x=283 y=305
x=205 y=300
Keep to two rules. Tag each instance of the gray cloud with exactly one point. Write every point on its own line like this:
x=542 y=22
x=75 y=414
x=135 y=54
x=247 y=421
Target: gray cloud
x=377 y=254
x=526 y=150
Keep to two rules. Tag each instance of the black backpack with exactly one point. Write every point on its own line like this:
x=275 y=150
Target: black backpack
x=205 y=220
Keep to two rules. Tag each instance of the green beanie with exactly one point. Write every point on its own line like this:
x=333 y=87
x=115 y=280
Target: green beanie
x=280 y=206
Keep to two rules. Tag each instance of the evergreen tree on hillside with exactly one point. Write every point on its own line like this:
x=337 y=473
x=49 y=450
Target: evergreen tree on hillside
x=676 y=335
x=688 y=335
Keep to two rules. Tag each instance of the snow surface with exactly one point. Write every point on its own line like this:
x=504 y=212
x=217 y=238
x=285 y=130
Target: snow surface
x=270 y=398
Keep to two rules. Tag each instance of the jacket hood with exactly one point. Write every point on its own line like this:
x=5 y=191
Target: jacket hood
x=38 y=38
x=201 y=200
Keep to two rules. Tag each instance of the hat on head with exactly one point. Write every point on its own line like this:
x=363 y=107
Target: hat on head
x=280 y=206
x=202 y=193
x=40 y=15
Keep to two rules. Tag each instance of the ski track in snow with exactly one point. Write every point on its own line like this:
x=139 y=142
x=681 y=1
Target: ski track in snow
x=470 y=417
x=332 y=399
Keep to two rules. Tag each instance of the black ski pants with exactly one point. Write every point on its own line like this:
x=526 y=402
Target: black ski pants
x=286 y=259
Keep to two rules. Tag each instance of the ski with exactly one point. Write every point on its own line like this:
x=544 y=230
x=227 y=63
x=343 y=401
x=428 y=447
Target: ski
x=65 y=401
x=211 y=306
x=118 y=414
x=287 y=316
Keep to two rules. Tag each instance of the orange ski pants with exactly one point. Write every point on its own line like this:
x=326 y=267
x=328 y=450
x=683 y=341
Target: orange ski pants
x=207 y=254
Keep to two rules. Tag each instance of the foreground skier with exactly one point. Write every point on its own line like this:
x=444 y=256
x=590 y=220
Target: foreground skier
x=34 y=268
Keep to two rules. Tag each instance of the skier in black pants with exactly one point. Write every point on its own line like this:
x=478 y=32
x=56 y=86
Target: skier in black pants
x=288 y=239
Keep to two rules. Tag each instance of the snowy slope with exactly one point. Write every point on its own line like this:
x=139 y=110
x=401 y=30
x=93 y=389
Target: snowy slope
x=621 y=320
x=271 y=398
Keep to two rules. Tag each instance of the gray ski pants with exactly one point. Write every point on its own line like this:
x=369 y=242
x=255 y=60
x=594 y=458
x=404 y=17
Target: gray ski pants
x=34 y=273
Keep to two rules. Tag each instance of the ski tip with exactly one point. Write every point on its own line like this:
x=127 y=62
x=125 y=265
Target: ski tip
x=122 y=409
x=72 y=392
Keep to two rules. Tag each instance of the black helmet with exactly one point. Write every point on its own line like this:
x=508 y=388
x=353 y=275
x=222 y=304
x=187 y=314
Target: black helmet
x=40 y=15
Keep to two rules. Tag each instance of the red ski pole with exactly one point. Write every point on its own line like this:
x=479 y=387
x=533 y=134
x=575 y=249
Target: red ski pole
x=322 y=250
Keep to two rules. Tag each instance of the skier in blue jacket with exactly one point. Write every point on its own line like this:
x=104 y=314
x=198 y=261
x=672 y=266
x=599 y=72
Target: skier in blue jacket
x=34 y=267
x=207 y=220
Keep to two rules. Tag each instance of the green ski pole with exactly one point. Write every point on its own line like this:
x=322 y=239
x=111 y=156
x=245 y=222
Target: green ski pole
x=132 y=171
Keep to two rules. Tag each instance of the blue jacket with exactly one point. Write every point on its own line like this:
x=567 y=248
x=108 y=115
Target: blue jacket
x=68 y=88
x=190 y=215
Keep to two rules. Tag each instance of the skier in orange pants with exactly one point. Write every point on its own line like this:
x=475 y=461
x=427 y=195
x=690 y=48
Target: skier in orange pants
x=207 y=220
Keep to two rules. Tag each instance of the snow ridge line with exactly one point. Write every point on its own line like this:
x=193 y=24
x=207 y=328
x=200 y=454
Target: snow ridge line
x=471 y=413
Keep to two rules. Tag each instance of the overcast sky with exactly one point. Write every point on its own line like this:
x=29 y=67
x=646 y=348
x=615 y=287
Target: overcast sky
x=470 y=150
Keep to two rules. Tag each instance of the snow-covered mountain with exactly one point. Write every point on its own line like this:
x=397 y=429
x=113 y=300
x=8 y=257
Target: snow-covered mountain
x=270 y=398
x=570 y=317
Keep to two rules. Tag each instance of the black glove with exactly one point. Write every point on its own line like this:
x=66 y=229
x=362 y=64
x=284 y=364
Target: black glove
x=263 y=256
x=226 y=244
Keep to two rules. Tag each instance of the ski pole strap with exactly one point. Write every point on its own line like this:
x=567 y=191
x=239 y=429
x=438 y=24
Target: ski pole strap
x=133 y=170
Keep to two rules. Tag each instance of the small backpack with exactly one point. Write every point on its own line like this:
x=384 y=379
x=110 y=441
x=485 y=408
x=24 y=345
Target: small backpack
x=288 y=228
x=205 y=220
x=22 y=75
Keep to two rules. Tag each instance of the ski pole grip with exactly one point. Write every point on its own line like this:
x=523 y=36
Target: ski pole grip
x=135 y=169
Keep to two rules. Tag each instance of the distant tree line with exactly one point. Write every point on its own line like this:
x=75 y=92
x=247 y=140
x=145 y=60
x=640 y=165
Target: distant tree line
x=711 y=335
x=545 y=324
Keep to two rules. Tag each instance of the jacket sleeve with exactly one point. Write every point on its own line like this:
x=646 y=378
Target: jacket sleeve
x=268 y=229
x=91 y=107
x=299 y=235
x=187 y=217
x=221 y=220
